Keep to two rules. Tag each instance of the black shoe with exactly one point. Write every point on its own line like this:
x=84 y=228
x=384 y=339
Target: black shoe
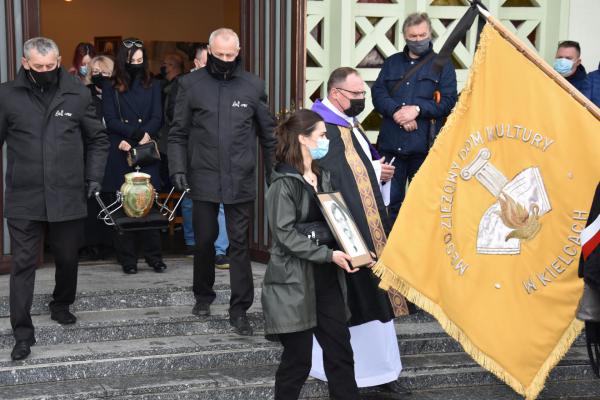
x=189 y=250
x=221 y=261
x=201 y=309
x=130 y=269
x=241 y=325
x=63 y=316
x=394 y=387
x=88 y=253
x=159 y=266
x=22 y=349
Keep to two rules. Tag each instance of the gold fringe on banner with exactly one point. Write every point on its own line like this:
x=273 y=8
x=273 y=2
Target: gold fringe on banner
x=391 y=280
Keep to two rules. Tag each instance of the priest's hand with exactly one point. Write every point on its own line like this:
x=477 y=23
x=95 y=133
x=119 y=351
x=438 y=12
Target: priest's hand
x=342 y=260
x=387 y=171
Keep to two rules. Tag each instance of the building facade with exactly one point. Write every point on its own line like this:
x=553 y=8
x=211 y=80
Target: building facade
x=295 y=44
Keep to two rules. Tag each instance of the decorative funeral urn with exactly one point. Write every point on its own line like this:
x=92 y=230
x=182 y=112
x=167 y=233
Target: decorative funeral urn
x=138 y=194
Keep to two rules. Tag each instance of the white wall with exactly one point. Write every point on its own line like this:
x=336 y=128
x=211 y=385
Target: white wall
x=584 y=27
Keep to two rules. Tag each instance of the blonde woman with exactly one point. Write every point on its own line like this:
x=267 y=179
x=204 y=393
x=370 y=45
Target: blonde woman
x=101 y=69
x=98 y=237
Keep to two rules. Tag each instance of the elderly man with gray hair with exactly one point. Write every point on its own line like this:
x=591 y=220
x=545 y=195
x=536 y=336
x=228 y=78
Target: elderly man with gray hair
x=220 y=111
x=414 y=98
x=47 y=119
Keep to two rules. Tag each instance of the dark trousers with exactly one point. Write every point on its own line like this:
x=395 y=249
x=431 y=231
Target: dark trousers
x=332 y=334
x=126 y=246
x=406 y=168
x=65 y=239
x=206 y=230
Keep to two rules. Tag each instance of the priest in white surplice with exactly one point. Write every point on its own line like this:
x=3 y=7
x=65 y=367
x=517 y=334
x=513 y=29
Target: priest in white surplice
x=357 y=172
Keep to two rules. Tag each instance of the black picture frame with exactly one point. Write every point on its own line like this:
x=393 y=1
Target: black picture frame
x=344 y=229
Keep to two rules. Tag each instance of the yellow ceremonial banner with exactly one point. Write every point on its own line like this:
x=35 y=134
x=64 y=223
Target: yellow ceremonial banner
x=487 y=240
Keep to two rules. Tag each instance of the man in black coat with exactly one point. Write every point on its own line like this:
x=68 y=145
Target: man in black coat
x=219 y=112
x=46 y=120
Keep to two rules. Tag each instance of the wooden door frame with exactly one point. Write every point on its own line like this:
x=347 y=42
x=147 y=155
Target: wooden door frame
x=249 y=30
x=30 y=23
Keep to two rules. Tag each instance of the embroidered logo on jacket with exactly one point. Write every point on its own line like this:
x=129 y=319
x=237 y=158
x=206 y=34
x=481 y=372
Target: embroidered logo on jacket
x=62 y=113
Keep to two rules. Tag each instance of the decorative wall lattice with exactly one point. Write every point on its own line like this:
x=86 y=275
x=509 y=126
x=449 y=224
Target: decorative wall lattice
x=362 y=33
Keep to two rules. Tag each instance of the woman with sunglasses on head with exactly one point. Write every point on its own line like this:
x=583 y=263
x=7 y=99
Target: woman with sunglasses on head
x=84 y=52
x=131 y=106
x=303 y=291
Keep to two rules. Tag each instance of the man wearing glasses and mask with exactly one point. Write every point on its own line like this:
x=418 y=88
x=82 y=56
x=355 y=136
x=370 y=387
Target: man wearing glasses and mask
x=220 y=110
x=357 y=171
x=414 y=99
x=46 y=120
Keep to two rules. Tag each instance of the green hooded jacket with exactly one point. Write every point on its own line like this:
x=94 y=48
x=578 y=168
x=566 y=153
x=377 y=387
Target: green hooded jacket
x=288 y=290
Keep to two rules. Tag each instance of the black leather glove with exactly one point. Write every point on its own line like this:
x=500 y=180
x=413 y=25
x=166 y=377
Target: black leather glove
x=92 y=188
x=180 y=182
x=137 y=135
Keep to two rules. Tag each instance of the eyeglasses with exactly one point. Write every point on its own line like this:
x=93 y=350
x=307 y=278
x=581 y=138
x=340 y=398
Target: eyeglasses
x=361 y=93
x=130 y=43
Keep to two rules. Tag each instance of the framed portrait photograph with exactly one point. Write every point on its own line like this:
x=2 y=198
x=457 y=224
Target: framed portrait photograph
x=107 y=45
x=344 y=228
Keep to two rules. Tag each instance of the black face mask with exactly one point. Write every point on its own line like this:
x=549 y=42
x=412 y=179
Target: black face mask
x=134 y=70
x=219 y=69
x=97 y=79
x=418 y=47
x=163 y=71
x=44 y=79
x=356 y=107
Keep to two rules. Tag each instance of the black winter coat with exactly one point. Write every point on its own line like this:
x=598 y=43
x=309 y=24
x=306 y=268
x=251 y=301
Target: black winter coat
x=213 y=136
x=46 y=175
x=140 y=111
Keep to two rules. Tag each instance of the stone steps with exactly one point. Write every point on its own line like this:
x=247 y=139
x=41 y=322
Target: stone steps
x=416 y=337
x=257 y=383
x=126 y=356
x=111 y=289
x=125 y=299
x=136 y=339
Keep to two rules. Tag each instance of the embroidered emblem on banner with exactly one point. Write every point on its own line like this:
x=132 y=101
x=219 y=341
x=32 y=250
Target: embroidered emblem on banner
x=515 y=215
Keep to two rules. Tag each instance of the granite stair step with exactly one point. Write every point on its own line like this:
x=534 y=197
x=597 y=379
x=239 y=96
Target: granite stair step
x=106 y=287
x=137 y=357
x=104 y=300
x=137 y=323
x=199 y=352
x=431 y=371
x=257 y=384
x=585 y=389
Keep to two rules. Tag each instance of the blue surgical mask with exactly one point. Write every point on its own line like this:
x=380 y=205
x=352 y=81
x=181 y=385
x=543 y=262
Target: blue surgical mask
x=563 y=66
x=83 y=70
x=321 y=150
